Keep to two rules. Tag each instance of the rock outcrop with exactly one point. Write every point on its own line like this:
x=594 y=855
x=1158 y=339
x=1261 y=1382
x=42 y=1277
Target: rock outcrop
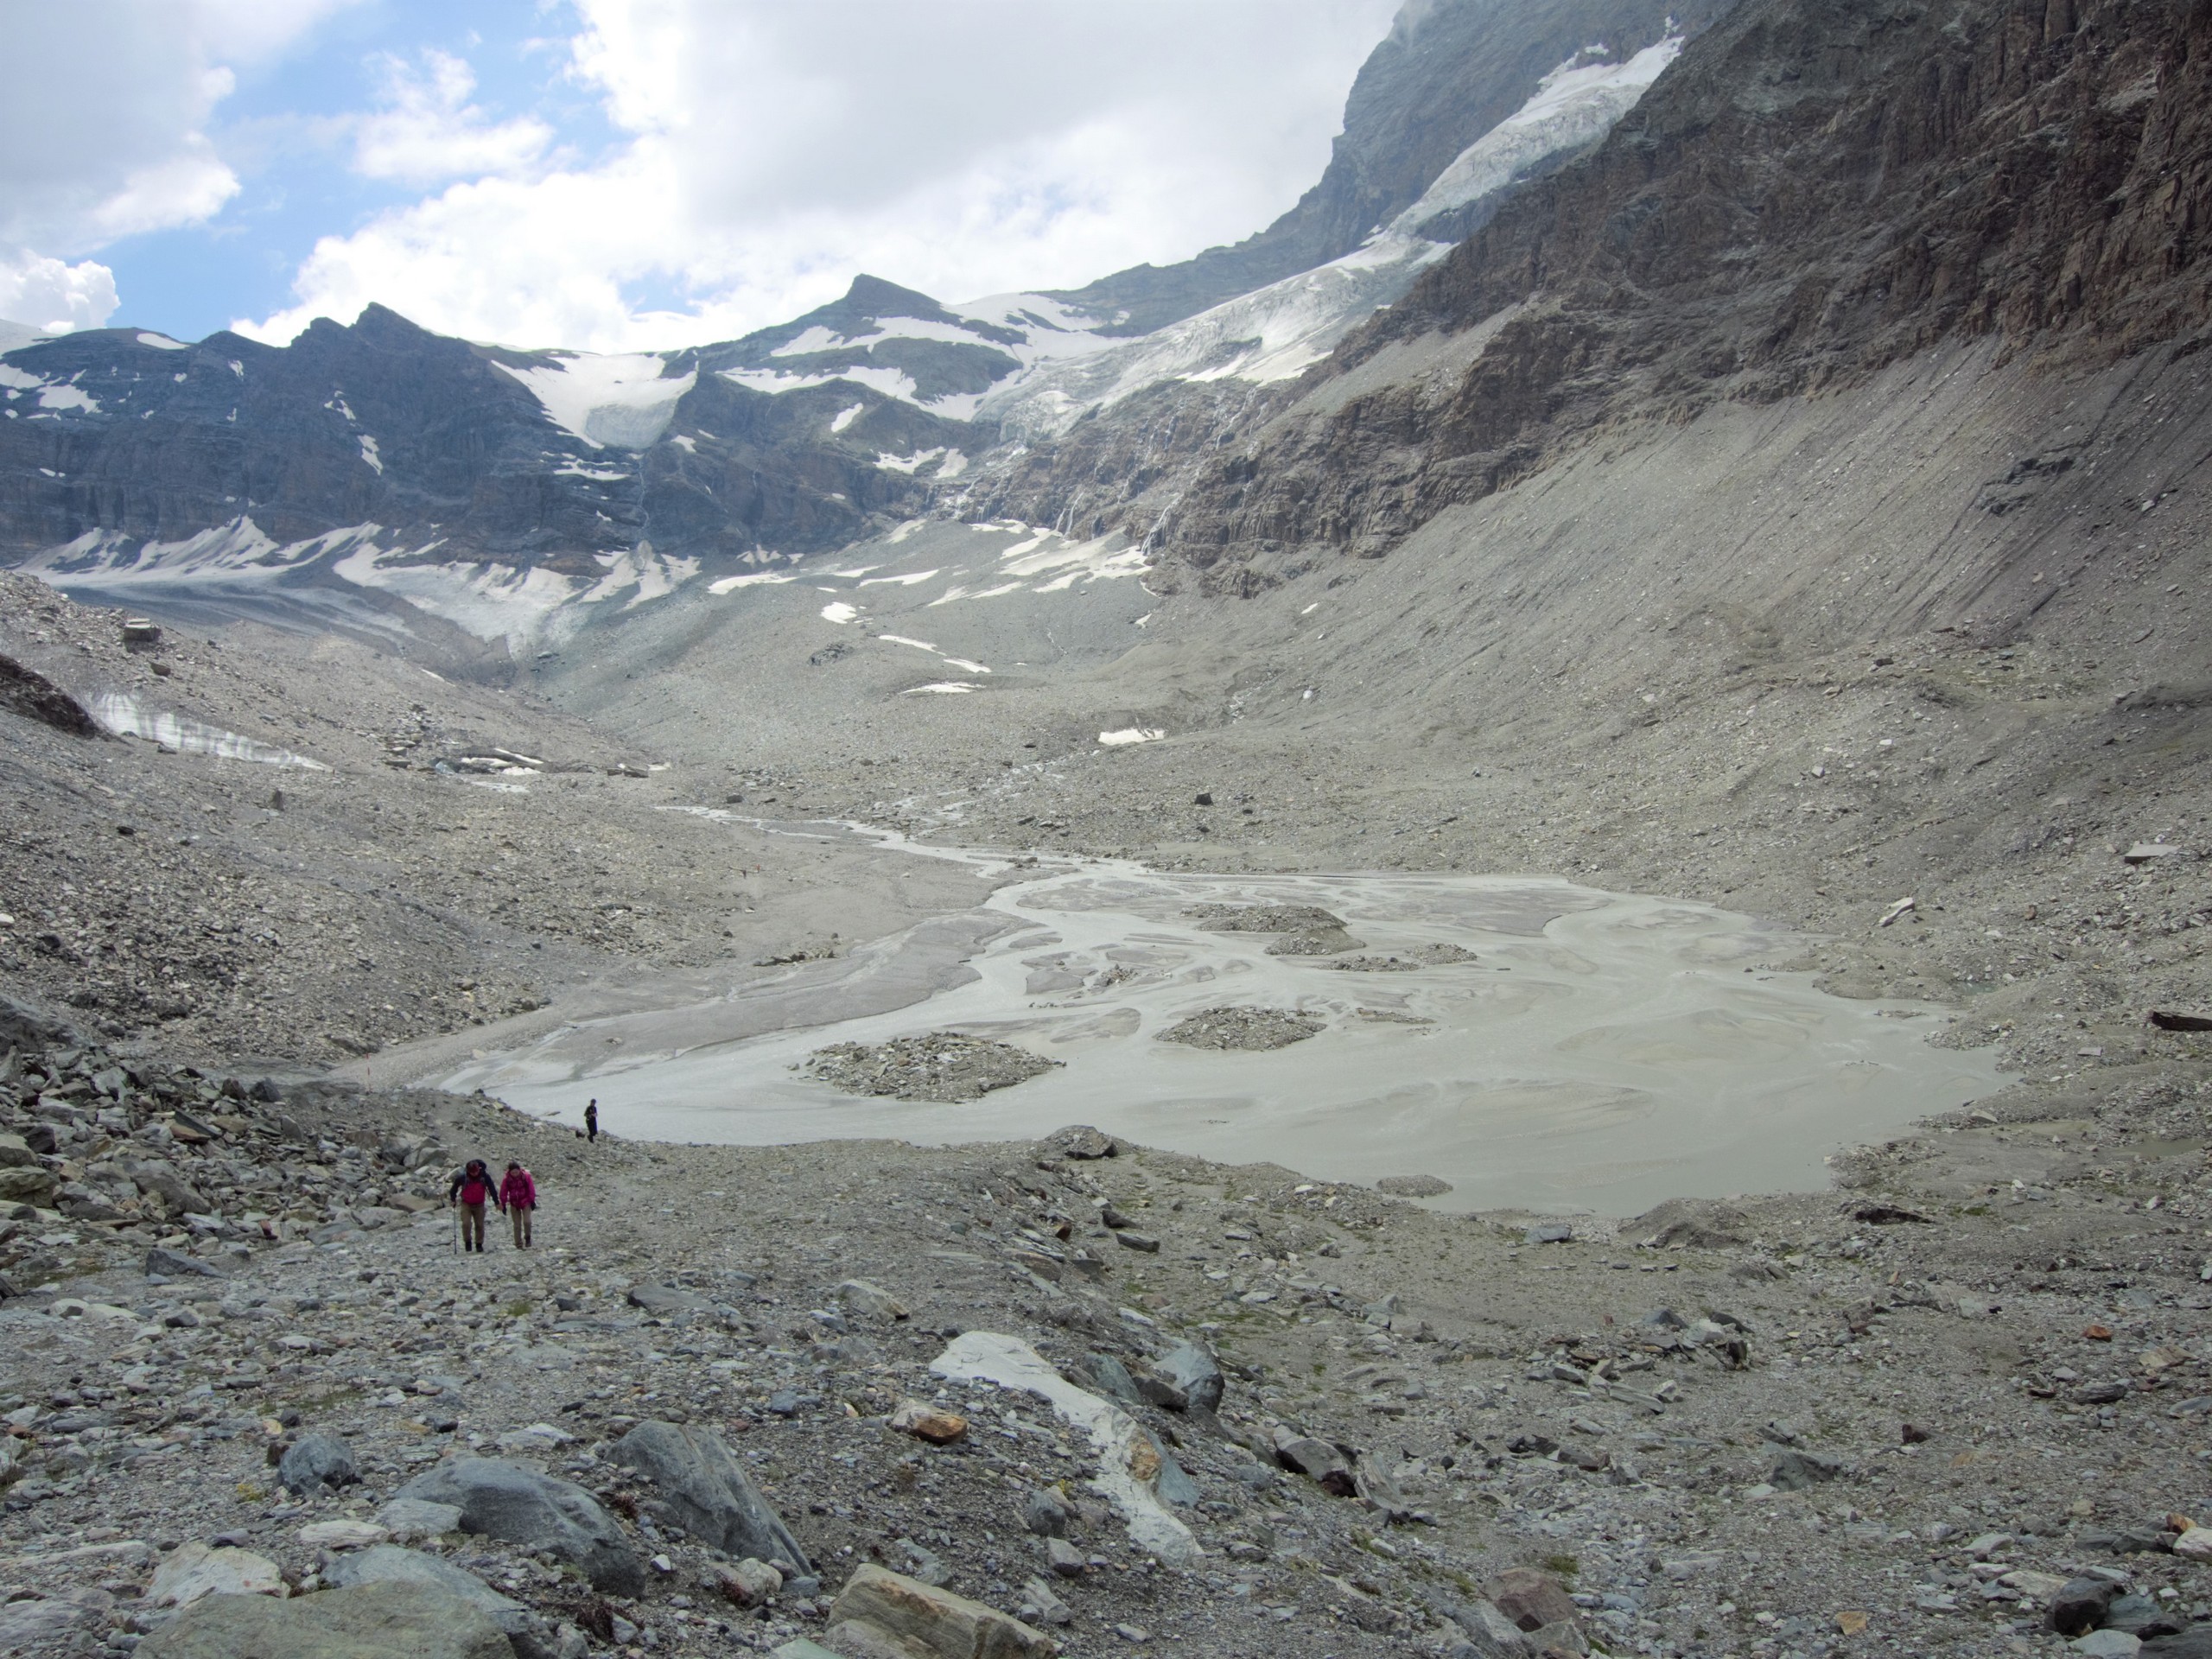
x=1810 y=193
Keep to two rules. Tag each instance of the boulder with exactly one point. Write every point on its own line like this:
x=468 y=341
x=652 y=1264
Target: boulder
x=318 y=1458
x=667 y=1298
x=2079 y=1607
x=14 y=1154
x=1081 y=1140
x=1194 y=1370
x=1173 y=1484
x=390 y=1564
x=157 y=1179
x=505 y=1500
x=1793 y=1469
x=165 y=1263
x=1047 y=1512
x=707 y=1492
x=1693 y=1224
x=2146 y=1617
x=27 y=1184
x=1531 y=1599
x=881 y=1615
x=2195 y=1643
x=872 y=1299
x=368 y=1621
x=1041 y=1603
x=1110 y=1377
x=1490 y=1632
x=44 y=1624
x=193 y=1571
x=928 y=1422
x=748 y=1583
x=1564 y=1637
x=1317 y=1460
x=408 y=1517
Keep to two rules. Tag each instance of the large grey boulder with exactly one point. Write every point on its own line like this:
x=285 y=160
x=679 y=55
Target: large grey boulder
x=1694 y=1223
x=390 y=1564
x=665 y=1300
x=505 y=1500
x=316 y=1460
x=157 y=1179
x=368 y=1621
x=164 y=1263
x=43 y=1625
x=1195 y=1371
x=883 y=1614
x=707 y=1492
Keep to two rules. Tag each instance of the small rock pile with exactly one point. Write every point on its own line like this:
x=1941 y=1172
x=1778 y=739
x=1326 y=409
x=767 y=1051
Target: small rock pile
x=1265 y=919
x=1426 y=956
x=943 y=1065
x=195 y=1168
x=1230 y=1027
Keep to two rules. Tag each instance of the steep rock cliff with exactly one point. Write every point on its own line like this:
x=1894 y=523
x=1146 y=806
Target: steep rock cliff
x=1812 y=192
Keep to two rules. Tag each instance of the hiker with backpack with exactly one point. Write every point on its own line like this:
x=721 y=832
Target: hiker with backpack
x=519 y=1197
x=472 y=1189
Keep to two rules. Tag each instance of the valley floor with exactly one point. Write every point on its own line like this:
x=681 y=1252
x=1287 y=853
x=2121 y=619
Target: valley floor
x=2023 y=1286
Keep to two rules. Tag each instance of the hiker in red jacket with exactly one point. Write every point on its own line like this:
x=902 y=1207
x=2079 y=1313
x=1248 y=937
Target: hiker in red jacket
x=519 y=1197
x=472 y=1189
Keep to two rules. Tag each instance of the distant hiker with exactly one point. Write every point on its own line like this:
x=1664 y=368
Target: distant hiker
x=519 y=1197
x=591 y=1120
x=472 y=1189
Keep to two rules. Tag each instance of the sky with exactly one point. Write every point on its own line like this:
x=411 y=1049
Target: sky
x=633 y=175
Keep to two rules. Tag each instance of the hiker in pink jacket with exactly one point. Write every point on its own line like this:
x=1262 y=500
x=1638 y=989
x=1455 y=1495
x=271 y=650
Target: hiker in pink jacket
x=519 y=1197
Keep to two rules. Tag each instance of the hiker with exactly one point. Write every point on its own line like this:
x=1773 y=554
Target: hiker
x=519 y=1197
x=591 y=1120
x=472 y=1189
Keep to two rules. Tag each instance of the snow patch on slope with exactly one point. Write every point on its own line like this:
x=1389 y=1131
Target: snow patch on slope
x=527 y=607
x=489 y=600
x=124 y=715
x=239 y=551
x=1575 y=106
x=622 y=402
x=1279 y=331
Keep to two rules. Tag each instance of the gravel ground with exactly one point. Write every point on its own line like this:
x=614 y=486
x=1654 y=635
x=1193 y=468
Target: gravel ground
x=1974 y=1373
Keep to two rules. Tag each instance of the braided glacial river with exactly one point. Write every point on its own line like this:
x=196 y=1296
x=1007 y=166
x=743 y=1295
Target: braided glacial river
x=1601 y=1051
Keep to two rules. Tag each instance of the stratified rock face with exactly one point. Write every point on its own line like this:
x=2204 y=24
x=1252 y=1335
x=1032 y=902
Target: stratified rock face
x=1812 y=192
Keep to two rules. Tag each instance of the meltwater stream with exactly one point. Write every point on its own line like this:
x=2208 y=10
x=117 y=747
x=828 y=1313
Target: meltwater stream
x=1603 y=1051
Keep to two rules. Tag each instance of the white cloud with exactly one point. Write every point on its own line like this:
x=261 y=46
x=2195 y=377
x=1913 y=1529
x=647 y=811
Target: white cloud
x=55 y=297
x=102 y=131
x=766 y=152
x=429 y=131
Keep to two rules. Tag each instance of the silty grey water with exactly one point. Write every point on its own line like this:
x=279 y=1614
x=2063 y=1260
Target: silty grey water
x=1603 y=1051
